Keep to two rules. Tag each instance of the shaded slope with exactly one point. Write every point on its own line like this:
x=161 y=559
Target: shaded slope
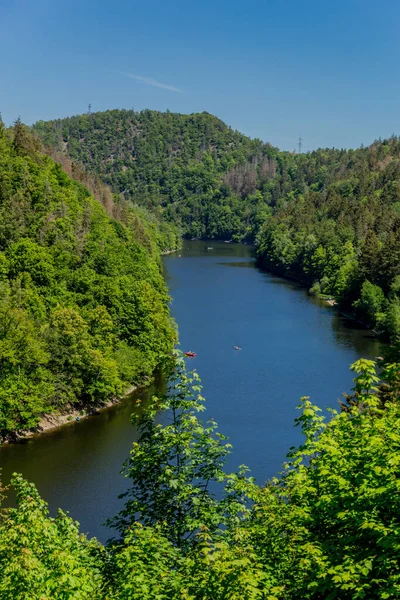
x=329 y=218
x=192 y=169
x=83 y=305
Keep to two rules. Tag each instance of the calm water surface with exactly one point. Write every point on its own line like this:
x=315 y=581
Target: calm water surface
x=292 y=345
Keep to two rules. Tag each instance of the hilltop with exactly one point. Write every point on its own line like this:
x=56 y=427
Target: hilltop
x=329 y=218
x=193 y=169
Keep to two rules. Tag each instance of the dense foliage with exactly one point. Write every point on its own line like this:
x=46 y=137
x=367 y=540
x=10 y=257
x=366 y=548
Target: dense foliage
x=192 y=169
x=172 y=467
x=43 y=557
x=336 y=228
x=329 y=218
x=84 y=312
x=83 y=304
x=326 y=528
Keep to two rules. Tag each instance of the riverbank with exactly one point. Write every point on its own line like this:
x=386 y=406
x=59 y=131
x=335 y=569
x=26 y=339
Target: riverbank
x=220 y=299
x=51 y=421
x=327 y=299
x=352 y=317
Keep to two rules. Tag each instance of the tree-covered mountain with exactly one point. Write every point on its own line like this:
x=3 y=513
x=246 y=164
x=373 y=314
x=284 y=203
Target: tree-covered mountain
x=83 y=312
x=336 y=228
x=194 y=169
x=83 y=304
x=329 y=218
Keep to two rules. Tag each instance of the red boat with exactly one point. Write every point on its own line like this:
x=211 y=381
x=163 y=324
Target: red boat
x=191 y=354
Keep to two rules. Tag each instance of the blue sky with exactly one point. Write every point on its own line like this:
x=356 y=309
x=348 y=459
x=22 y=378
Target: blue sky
x=326 y=70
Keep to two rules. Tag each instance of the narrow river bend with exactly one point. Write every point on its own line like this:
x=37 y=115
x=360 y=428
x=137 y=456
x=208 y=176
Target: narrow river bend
x=292 y=345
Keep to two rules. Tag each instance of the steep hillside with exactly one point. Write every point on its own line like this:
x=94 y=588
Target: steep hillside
x=336 y=228
x=329 y=218
x=196 y=171
x=83 y=305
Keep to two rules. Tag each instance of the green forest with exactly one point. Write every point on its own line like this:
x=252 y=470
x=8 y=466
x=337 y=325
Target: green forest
x=327 y=527
x=329 y=218
x=87 y=206
x=196 y=171
x=83 y=304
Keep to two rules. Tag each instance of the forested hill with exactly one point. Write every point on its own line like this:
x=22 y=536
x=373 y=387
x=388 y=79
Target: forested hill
x=196 y=170
x=336 y=228
x=83 y=305
x=329 y=218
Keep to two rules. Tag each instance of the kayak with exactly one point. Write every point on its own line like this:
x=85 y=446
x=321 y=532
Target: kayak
x=191 y=354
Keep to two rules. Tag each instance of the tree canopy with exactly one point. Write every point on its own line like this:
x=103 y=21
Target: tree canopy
x=84 y=312
x=326 y=527
x=83 y=304
x=329 y=218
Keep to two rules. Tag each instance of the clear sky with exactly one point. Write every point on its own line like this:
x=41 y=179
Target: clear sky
x=328 y=70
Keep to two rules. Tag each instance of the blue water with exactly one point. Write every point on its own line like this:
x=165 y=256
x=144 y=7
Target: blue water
x=292 y=345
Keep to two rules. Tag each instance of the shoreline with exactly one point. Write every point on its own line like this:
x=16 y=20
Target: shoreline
x=328 y=301
x=348 y=315
x=50 y=421
x=166 y=252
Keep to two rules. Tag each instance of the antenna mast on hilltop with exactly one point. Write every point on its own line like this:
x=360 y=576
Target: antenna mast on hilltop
x=300 y=144
x=89 y=109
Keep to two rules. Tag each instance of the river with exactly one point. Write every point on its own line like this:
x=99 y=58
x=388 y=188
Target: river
x=291 y=345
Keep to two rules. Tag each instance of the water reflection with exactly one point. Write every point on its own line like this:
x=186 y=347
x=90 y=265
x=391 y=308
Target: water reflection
x=77 y=467
x=292 y=345
x=350 y=334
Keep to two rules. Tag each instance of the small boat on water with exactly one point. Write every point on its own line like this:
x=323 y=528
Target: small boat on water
x=237 y=347
x=191 y=354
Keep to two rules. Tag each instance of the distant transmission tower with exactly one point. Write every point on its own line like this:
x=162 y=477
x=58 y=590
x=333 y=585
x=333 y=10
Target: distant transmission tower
x=89 y=109
x=300 y=144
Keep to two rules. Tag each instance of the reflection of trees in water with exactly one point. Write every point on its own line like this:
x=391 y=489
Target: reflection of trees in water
x=194 y=248
x=350 y=334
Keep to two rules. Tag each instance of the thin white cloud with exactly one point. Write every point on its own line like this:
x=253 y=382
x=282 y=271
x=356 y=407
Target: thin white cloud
x=151 y=81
